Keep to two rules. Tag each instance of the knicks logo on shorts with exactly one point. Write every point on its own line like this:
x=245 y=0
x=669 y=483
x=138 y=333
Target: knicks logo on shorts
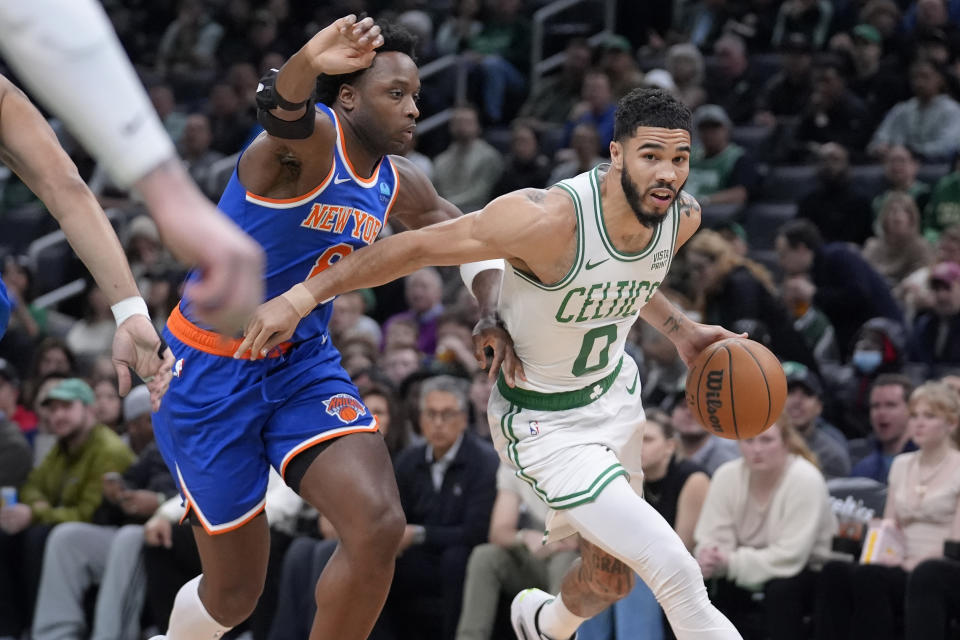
x=346 y=408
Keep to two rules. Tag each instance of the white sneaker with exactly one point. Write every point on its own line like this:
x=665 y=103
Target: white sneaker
x=523 y=614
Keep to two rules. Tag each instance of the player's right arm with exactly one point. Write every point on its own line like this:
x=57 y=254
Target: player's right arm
x=524 y=227
x=296 y=152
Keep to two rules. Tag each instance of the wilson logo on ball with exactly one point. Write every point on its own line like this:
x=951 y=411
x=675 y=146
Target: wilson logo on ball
x=714 y=403
x=346 y=408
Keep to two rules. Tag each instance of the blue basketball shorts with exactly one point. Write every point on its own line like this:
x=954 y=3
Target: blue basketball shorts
x=224 y=422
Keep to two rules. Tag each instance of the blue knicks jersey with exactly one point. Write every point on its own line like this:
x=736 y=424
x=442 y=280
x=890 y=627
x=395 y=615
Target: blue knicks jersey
x=5 y=307
x=304 y=235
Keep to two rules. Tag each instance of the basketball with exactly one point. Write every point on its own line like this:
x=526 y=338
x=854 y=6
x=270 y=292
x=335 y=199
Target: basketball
x=736 y=388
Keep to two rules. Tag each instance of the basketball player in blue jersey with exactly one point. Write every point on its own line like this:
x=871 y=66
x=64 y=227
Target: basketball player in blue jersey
x=318 y=184
x=30 y=149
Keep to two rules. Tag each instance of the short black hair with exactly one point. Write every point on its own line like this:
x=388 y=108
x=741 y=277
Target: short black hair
x=649 y=107
x=894 y=379
x=801 y=232
x=395 y=38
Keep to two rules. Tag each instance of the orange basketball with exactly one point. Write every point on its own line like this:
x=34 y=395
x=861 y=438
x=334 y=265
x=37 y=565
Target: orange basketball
x=736 y=388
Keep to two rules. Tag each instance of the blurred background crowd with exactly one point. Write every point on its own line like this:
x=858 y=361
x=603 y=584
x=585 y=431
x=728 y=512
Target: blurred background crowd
x=826 y=139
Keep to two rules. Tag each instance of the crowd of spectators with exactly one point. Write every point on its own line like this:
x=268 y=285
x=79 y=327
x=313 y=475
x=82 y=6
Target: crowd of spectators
x=827 y=160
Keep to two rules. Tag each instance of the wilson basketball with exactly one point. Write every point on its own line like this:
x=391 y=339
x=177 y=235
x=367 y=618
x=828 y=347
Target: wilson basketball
x=736 y=388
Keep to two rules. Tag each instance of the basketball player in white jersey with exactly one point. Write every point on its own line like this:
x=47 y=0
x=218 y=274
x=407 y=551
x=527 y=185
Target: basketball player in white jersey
x=584 y=259
x=67 y=53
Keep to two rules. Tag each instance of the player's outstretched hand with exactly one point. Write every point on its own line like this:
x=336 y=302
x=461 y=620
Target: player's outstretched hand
x=273 y=322
x=344 y=46
x=489 y=333
x=137 y=346
x=699 y=337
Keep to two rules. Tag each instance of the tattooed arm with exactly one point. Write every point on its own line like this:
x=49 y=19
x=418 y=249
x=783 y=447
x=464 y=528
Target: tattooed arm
x=689 y=218
x=689 y=337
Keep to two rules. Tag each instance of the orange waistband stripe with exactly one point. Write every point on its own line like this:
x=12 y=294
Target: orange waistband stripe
x=210 y=341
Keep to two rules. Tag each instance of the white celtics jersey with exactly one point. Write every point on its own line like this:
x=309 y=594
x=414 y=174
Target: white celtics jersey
x=571 y=334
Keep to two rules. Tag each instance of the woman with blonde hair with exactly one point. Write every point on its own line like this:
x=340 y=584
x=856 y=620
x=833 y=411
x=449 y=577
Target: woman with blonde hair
x=765 y=523
x=923 y=502
x=898 y=248
x=730 y=288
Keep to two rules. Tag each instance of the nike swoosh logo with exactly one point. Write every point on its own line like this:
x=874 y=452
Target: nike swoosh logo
x=633 y=387
x=338 y=180
x=595 y=264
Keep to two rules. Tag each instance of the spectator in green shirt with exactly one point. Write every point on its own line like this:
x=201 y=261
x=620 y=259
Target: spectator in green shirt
x=66 y=486
x=501 y=53
x=943 y=209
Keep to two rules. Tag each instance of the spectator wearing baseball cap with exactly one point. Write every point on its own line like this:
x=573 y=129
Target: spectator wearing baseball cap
x=804 y=407
x=620 y=64
x=106 y=551
x=65 y=487
x=880 y=81
x=721 y=171
x=936 y=331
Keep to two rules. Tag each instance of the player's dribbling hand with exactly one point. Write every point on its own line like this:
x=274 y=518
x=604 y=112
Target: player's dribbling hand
x=489 y=333
x=136 y=346
x=698 y=337
x=344 y=46
x=272 y=323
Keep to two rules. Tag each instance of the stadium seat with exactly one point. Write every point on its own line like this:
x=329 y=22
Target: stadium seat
x=930 y=173
x=868 y=178
x=767 y=258
x=53 y=261
x=21 y=225
x=752 y=138
x=499 y=138
x=714 y=215
x=873 y=494
x=788 y=183
x=762 y=220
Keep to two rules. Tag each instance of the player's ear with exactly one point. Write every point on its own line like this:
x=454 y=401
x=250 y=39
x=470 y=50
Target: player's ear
x=616 y=155
x=347 y=96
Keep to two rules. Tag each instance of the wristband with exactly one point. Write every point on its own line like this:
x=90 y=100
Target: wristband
x=470 y=270
x=300 y=297
x=132 y=306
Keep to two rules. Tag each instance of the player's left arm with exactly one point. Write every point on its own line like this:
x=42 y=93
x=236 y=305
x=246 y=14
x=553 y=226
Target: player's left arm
x=419 y=205
x=689 y=337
